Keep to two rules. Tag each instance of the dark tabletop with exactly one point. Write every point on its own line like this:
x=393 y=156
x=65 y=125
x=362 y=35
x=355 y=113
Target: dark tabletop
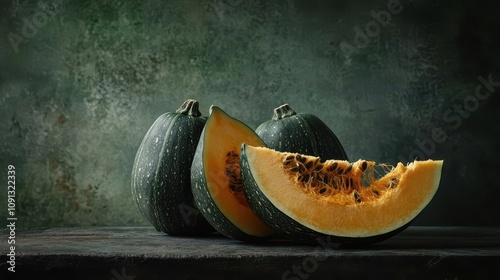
x=143 y=253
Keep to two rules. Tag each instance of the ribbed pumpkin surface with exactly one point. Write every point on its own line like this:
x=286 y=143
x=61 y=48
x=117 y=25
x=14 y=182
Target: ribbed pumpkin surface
x=161 y=178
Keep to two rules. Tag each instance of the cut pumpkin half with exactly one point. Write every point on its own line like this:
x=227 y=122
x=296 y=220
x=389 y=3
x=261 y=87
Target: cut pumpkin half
x=216 y=179
x=305 y=198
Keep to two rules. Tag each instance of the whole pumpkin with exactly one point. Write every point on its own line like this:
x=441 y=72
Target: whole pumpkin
x=301 y=133
x=161 y=173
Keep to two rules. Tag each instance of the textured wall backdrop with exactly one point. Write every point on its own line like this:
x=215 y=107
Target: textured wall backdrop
x=82 y=81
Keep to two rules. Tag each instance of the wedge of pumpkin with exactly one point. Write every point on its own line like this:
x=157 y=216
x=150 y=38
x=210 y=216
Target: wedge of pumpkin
x=304 y=198
x=216 y=181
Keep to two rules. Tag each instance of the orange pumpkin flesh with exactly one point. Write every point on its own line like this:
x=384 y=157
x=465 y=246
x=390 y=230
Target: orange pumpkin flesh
x=219 y=176
x=335 y=198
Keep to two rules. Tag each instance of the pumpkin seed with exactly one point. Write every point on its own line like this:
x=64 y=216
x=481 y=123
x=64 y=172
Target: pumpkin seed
x=357 y=197
x=364 y=165
x=332 y=167
x=309 y=165
x=305 y=178
x=349 y=168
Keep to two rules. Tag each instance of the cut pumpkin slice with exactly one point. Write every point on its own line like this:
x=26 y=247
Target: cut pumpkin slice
x=216 y=179
x=305 y=198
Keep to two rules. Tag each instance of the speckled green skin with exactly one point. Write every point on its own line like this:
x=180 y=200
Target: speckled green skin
x=285 y=226
x=301 y=133
x=161 y=184
x=205 y=200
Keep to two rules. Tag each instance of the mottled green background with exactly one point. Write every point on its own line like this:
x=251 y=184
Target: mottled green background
x=82 y=81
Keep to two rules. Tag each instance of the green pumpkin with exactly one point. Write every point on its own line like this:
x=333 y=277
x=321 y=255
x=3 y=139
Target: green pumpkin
x=302 y=133
x=161 y=176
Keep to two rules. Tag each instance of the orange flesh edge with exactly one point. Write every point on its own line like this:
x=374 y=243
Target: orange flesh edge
x=341 y=215
x=229 y=136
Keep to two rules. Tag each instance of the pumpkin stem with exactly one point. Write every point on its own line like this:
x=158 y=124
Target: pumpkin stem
x=190 y=107
x=283 y=111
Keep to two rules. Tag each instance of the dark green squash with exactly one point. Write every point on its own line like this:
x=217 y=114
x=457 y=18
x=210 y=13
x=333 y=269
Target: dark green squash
x=161 y=177
x=305 y=134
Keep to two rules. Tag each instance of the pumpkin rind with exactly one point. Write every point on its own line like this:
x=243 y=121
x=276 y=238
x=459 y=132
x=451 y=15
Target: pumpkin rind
x=301 y=133
x=288 y=214
x=210 y=197
x=161 y=178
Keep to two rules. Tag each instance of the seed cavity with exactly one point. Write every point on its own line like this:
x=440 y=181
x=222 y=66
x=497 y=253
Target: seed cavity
x=233 y=175
x=331 y=179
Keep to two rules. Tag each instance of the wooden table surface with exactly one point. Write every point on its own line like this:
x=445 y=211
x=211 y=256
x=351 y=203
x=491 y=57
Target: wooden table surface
x=143 y=253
